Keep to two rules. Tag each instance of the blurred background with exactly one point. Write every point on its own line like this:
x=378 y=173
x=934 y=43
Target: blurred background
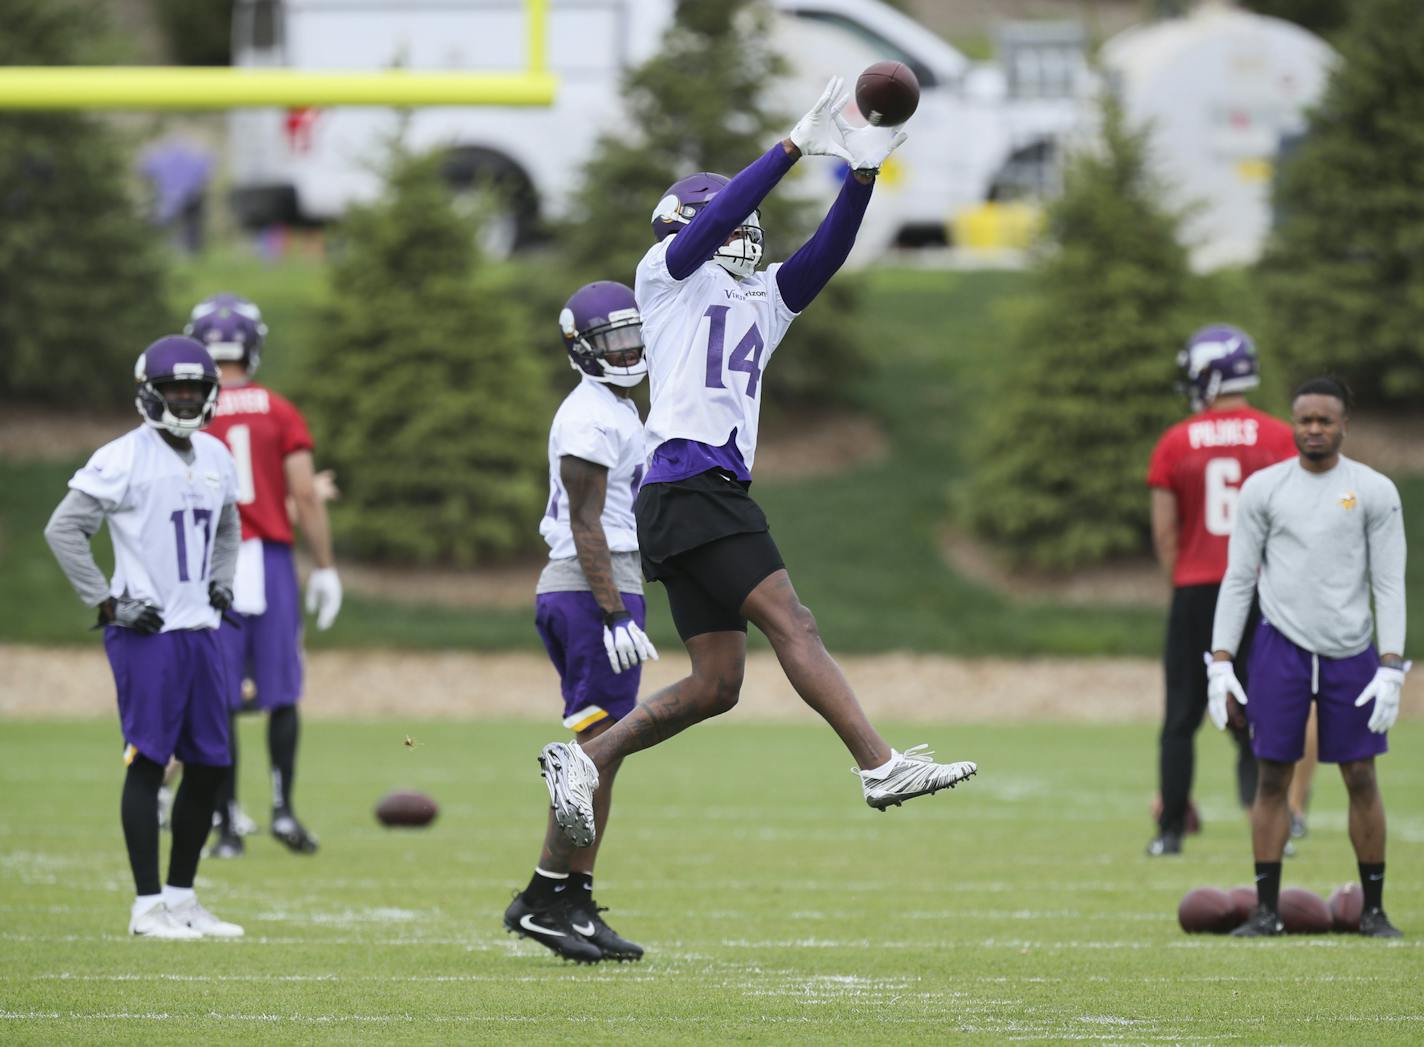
x=958 y=432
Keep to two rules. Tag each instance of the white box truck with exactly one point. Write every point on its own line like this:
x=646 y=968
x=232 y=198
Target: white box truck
x=977 y=125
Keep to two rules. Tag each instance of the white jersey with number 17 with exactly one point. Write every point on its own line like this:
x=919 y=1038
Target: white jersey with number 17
x=707 y=339
x=163 y=515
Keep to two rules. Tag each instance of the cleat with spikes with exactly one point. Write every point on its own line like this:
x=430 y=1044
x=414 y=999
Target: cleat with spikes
x=572 y=779
x=293 y=833
x=914 y=773
x=1375 y=924
x=552 y=926
x=587 y=921
x=1262 y=923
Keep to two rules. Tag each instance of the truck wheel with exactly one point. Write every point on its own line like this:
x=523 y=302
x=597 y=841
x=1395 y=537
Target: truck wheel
x=501 y=191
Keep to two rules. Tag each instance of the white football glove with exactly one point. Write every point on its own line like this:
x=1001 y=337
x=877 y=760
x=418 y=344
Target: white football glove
x=818 y=132
x=1221 y=684
x=869 y=146
x=1383 y=690
x=626 y=644
x=324 y=596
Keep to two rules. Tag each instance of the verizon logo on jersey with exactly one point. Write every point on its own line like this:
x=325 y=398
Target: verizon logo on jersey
x=1215 y=432
x=243 y=401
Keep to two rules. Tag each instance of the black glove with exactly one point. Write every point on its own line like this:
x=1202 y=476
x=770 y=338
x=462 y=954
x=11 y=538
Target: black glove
x=138 y=615
x=219 y=596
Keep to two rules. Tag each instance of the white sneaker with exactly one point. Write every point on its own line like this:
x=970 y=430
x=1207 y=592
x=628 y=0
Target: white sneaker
x=193 y=916
x=572 y=779
x=914 y=773
x=158 y=922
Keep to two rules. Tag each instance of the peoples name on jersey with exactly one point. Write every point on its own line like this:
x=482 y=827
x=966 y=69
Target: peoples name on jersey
x=1224 y=432
x=252 y=400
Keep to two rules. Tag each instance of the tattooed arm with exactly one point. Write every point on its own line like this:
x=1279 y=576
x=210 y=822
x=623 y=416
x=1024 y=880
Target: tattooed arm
x=587 y=486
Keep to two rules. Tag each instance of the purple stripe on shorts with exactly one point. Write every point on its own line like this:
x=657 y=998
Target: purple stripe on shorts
x=1279 y=699
x=571 y=626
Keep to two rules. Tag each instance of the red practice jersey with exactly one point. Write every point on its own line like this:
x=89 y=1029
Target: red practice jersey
x=1204 y=460
x=261 y=428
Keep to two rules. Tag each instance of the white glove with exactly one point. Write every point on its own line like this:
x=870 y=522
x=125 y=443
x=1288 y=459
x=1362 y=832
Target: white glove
x=324 y=596
x=1221 y=683
x=869 y=146
x=626 y=644
x=818 y=132
x=1383 y=690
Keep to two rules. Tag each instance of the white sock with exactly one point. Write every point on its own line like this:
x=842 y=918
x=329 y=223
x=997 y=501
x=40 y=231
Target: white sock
x=145 y=902
x=884 y=768
x=176 y=896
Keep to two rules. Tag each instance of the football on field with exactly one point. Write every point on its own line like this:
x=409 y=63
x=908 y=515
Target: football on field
x=1245 y=899
x=406 y=807
x=1207 y=910
x=1303 y=912
x=887 y=94
x=1346 y=904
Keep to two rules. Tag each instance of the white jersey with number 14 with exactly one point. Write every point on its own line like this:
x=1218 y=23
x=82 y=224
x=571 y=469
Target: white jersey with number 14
x=707 y=339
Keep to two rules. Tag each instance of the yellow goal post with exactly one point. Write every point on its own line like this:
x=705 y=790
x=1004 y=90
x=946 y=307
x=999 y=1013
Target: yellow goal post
x=190 y=87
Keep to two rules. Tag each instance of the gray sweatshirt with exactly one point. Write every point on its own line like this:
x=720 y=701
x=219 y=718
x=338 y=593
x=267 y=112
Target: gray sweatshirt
x=1319 y=541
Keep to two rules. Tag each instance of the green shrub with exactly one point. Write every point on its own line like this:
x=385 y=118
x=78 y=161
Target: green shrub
x=422 y=394
x=1088 y=376
x=702 y=103
x=82 y=275
x=1343 y=274
x=195 y=33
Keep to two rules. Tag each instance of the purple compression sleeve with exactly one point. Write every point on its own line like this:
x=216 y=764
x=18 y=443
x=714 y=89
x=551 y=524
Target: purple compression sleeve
x=709 y=229
x=802 y=276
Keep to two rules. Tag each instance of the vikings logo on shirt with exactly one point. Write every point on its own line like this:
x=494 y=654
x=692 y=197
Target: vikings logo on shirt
x=1348 y=501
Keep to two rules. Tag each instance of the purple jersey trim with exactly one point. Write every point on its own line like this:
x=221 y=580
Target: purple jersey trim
x=678 y=459
x=803 y=275
x=709 y=229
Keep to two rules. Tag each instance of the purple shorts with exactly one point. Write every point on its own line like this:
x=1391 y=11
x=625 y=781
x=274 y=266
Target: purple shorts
x=571 y=626
x=173 y=691
x=268 y=648
x=1281 y=693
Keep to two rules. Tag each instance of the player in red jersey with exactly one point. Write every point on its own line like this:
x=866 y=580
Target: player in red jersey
x=1195 y=475
x=273 y=451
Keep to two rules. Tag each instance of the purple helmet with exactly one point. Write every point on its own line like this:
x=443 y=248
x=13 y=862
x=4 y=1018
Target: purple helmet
x=681 y=203
x=166 y=363
x=603 y=318
x=1218 y=359
x=231 y=327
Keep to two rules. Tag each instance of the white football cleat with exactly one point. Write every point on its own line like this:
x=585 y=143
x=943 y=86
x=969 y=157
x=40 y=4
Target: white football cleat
x=572 y=779
x=914 y=773
x=192 y=915
x=157 y=922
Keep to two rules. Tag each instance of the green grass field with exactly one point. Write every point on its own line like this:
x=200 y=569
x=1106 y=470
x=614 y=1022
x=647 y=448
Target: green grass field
x=775 y=907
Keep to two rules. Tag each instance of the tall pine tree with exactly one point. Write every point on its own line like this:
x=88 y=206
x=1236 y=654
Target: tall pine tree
x=82 y=275
x=1088 y=387
x=1343 y=274
x=422 y=394
x=709 y=100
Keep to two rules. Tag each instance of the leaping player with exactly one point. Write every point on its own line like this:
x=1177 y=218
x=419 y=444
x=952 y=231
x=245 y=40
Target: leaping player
x=711 y=322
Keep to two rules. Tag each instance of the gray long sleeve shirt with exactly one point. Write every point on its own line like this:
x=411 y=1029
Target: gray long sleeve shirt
x=1314 y=544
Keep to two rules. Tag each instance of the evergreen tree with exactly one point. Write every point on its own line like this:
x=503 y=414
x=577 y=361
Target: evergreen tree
x=1058 y=475
x=1343 y=274
x=421 y=393
x=82 y=276
x=1324 y=17
x=704 y=103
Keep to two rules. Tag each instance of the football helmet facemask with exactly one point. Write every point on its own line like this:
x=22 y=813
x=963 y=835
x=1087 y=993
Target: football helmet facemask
x=231 y=327
x=600 y=320
x=164 y=365
x=680 y=204
x=1218 y=359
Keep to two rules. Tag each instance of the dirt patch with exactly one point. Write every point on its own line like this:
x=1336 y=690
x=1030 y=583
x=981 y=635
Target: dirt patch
x=1135 y=583
x=75 y=683
x=30 y=433
x=1394 y=446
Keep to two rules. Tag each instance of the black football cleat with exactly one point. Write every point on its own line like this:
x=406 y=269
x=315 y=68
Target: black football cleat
x=1166 y=843
x=552 y=926
x=227 y=845
x=587 y=921
x=1263 y=923
x=1375 y=924
x=293 y=833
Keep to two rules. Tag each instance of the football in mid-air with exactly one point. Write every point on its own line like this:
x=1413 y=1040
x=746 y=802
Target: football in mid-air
x=1207 y=910
x=407 y=808
x=1303 y=912
x=1346 y=904
x=887 y=94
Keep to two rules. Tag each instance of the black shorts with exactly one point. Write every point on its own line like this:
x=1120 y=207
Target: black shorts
x=708 y=543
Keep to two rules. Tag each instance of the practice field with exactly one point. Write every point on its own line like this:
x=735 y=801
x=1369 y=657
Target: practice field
x=776 y=908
